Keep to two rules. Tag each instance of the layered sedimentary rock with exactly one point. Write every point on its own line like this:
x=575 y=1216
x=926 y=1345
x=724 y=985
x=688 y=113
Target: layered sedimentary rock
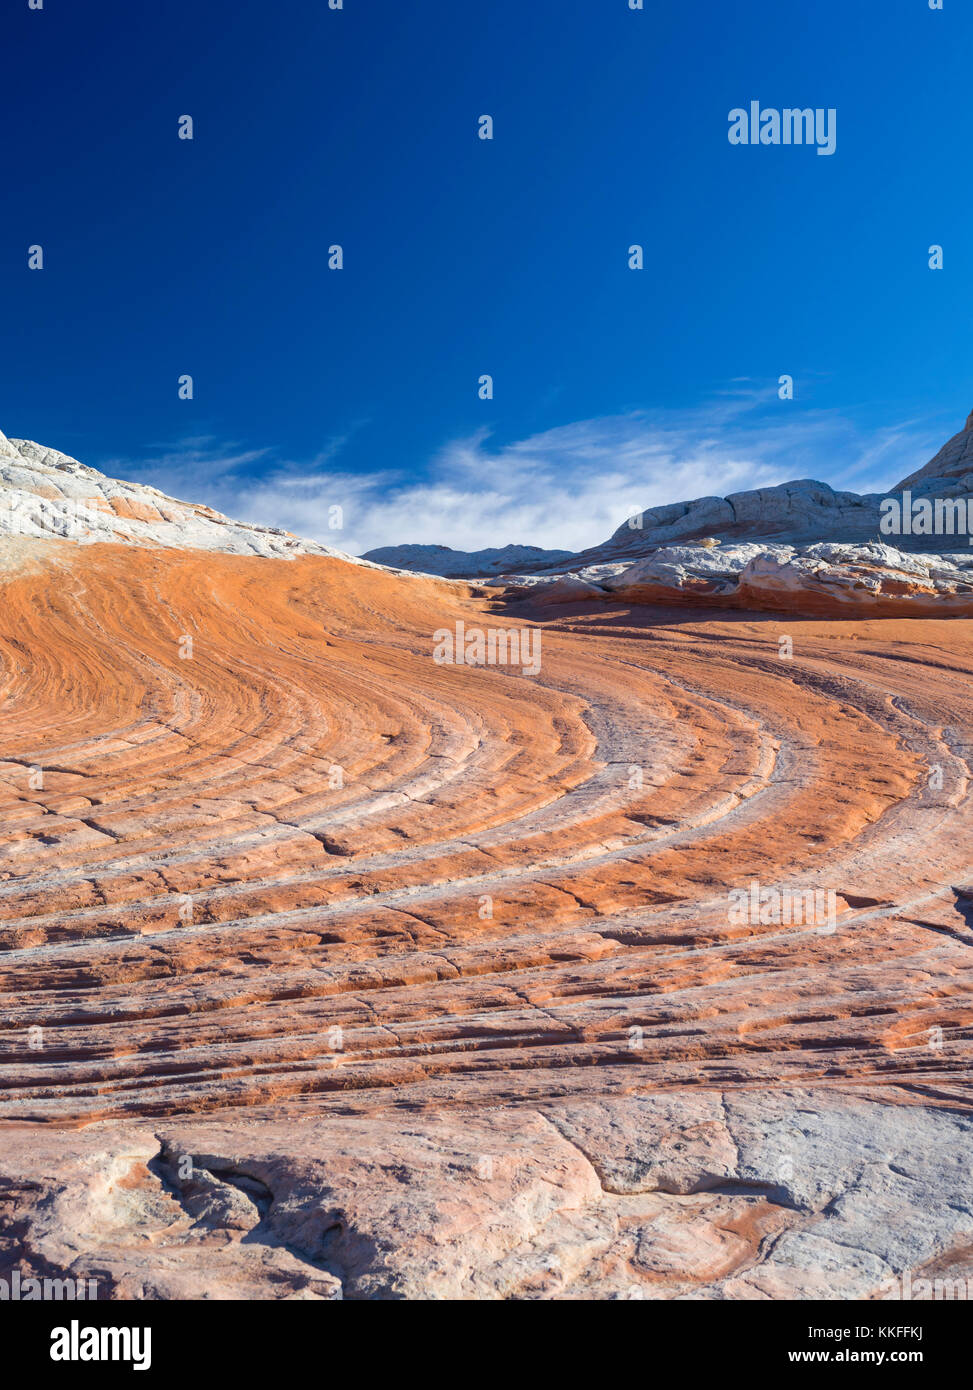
x=826 y=579
x=800 y=547
x=44 y=493
x=333 y=971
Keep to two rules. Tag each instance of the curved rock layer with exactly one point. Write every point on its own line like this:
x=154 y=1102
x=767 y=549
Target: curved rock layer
x=332 y=971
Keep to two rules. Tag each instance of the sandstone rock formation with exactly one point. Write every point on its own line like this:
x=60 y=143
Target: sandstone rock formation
x=789 y=513
x=827 y=579
x=954 y=461
x=331 y=971
x=44 y=493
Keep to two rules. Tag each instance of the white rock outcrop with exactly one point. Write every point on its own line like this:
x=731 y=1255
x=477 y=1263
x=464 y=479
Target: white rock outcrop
x=821 y=577
x=954 y=461
x=45 y=494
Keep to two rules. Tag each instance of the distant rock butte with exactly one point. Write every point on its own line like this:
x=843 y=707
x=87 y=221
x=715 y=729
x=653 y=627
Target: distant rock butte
x=462 y=564
x=329 y=971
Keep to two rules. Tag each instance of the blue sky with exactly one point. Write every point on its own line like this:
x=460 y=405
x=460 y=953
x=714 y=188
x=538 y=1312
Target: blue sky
x=613 y=388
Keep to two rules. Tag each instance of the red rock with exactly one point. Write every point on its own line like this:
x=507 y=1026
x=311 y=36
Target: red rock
x=441 y=1002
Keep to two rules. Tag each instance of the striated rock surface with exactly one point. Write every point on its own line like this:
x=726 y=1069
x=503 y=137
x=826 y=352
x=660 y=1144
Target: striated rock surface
x=331 y=971
x=826 y=579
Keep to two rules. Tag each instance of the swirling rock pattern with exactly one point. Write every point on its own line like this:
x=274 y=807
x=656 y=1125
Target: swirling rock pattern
x=329 y=970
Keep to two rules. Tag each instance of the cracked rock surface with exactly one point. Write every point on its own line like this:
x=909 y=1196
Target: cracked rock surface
x=800 y=1193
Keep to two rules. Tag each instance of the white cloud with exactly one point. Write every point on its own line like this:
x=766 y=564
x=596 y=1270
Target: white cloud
x=566 y=488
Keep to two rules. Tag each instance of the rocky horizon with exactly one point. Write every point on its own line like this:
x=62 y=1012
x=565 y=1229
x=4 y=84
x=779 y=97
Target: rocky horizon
x=795 y=547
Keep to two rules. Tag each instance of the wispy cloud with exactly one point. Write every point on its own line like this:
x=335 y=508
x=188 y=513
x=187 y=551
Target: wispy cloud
x=566 y=488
